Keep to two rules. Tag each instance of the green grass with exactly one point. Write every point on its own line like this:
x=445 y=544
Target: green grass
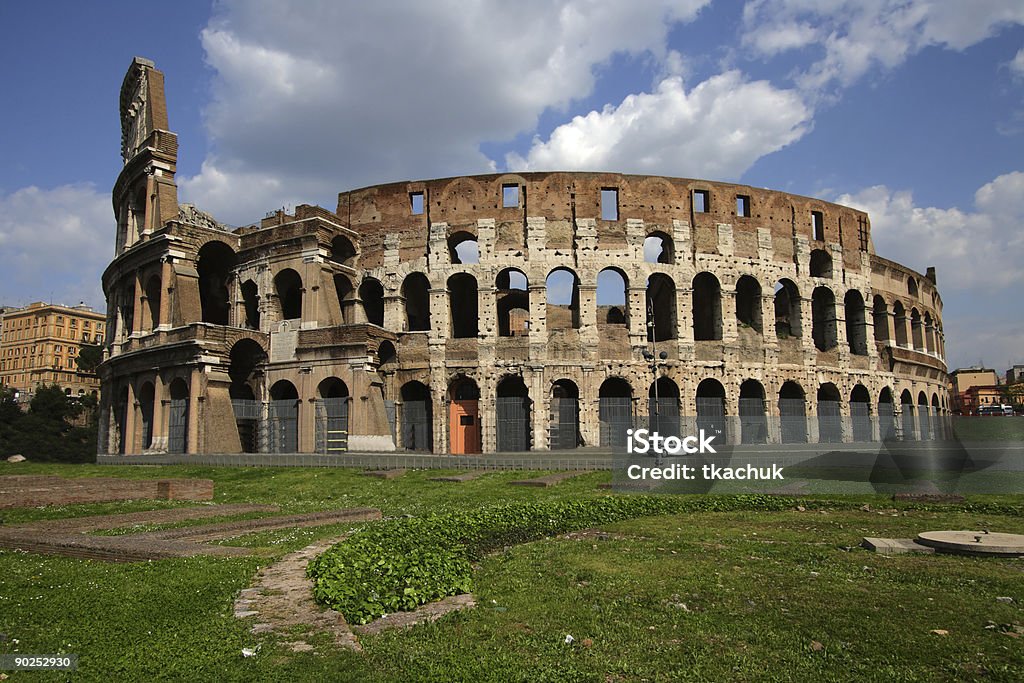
x=759 y=588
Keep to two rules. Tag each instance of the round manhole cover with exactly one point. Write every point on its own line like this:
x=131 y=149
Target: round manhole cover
x=973 y=542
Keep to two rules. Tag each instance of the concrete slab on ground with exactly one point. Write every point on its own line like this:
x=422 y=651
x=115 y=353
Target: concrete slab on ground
x=896 y=546
x=384 y=474
x=459 y=478
x=547 y=480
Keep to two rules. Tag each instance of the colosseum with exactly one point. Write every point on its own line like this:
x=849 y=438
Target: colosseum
x=502 y=313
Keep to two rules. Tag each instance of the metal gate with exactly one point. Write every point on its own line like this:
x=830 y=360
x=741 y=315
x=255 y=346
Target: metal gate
x=564 y=426
x=513 y=423
x=908 y=422
x=332 y=425
x=663 y=416
x=177 y=426
x=886 y=422
x=925 y=422
x=283 y=426
x=753 y=423
x=830 y=422
x=860 y=418
x=616 y=416
x=248 y=415
x=711 y=418
x=416 y=426
x=793 y=420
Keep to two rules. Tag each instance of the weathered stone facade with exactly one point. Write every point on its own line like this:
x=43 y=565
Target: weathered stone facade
x=497 y=312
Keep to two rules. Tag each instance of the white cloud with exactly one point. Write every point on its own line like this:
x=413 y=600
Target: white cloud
x=54 y=244
x=717 y=130
x=346 y=94
x=971 y=249
x=1017 y=65
x=858 y=35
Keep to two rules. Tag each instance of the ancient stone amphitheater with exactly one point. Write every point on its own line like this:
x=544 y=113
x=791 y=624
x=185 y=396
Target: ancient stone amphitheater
x=501 y=313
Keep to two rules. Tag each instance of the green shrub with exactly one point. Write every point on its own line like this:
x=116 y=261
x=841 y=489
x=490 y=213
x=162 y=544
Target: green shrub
x=400 y=564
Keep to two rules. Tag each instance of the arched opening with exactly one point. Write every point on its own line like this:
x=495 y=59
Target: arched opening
x=900 y=323
x=916 y=332
x=823 y=318
x=748 y=303
x=907 y=410
x=464 y=416
x=344 y=290
x=463 y=304
x=386 y=355
x=880 y=319
x=821 y=263
x=924 y=416
x=342 y=251
x=663 y=407
x=215 y=263
x=611 y=298
x=787 y=309
x=371 y=292
x=463 y=248
x=153 y=288
x=563 y=299
x=288 y=286
x=830 y=420
x=860 y=413
x=753 y=420
x=251 y=300
x=177 y=418
x=711 y=410
x=615 y=411
x=121 y=420
x=661 y=308
x=707 y=308
x=283 y=418
x=512 y=298
x=332 y=416
x=128 y=310
x=417 y=417
x=416 y=290
x=856 y=323
x=658 y=248
x=512 y=410
x=564 y=418
x=792 y=413
x=929 y=333
x=146 y=401
x=886 y=415
x=912 y=286
x=245 y=370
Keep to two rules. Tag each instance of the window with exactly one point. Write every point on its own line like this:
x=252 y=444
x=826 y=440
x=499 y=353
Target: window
x=416 y=203
x=701 y=201
x=609 y=204
x=818 y=226
x=509 y=196
x=743 y=206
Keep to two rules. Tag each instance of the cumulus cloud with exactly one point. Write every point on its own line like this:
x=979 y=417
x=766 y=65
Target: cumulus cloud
x=718 y=129
x=55 y=243
x=348 y=94
x=858 y=35
x=1016 y=65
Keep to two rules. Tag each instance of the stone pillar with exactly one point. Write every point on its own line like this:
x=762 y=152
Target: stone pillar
x=307 y=411
x=196 y=409
x=636 y=301
x=540 y=407
x=166 y=283
x=160 y=407
x=139 y=303
x=729 y=326
x=131 y=418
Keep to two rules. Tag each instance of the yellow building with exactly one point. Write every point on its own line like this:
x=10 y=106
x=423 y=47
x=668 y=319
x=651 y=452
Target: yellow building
x=40 y=343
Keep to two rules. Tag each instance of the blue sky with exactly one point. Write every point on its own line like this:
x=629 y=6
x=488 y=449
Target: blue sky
x=912 y=110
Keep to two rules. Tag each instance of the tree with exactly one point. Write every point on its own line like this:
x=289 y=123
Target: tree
x=89 y=356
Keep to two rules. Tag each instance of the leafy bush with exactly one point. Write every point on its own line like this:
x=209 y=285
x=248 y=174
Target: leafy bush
x=400 y=564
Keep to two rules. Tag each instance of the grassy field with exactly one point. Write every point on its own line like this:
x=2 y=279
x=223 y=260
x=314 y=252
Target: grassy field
x=746 y=595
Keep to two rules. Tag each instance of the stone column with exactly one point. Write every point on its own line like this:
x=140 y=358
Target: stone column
x=196 y=409
x=160 y=406
x=166 y=275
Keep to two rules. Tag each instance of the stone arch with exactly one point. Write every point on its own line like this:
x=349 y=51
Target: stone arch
x=416 y=291
x=823 y=318
x=916 y=332
x=661 y=308
x=153 y=290
x=246 y=361
x=615 y=411
x=907 y=410
x=659 y=248
x=710 y=401
x=787 y=309
x=463 y=306
x=886 y=414
x=463 y=248
x=899 y=323
x=880 y=319
x=748 y=303
x=821 y=263
x=562 y=288
x=912 y=289
x=343 y=252
x=707 y=307
x=753 y=413
x=856 y=323
x=288 y=285
x=512 y=303
x=251 y=302
x=417 y=417
x=215 y=263
x=332 y=387
x=612 y=297
x=146 y=400
x=178 y=416
x=371 y=292
x=792 y=412
x=564 y=422
x=830 y=425
x=513 y=414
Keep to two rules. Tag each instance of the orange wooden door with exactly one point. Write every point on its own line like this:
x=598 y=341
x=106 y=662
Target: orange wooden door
x=464 y=427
